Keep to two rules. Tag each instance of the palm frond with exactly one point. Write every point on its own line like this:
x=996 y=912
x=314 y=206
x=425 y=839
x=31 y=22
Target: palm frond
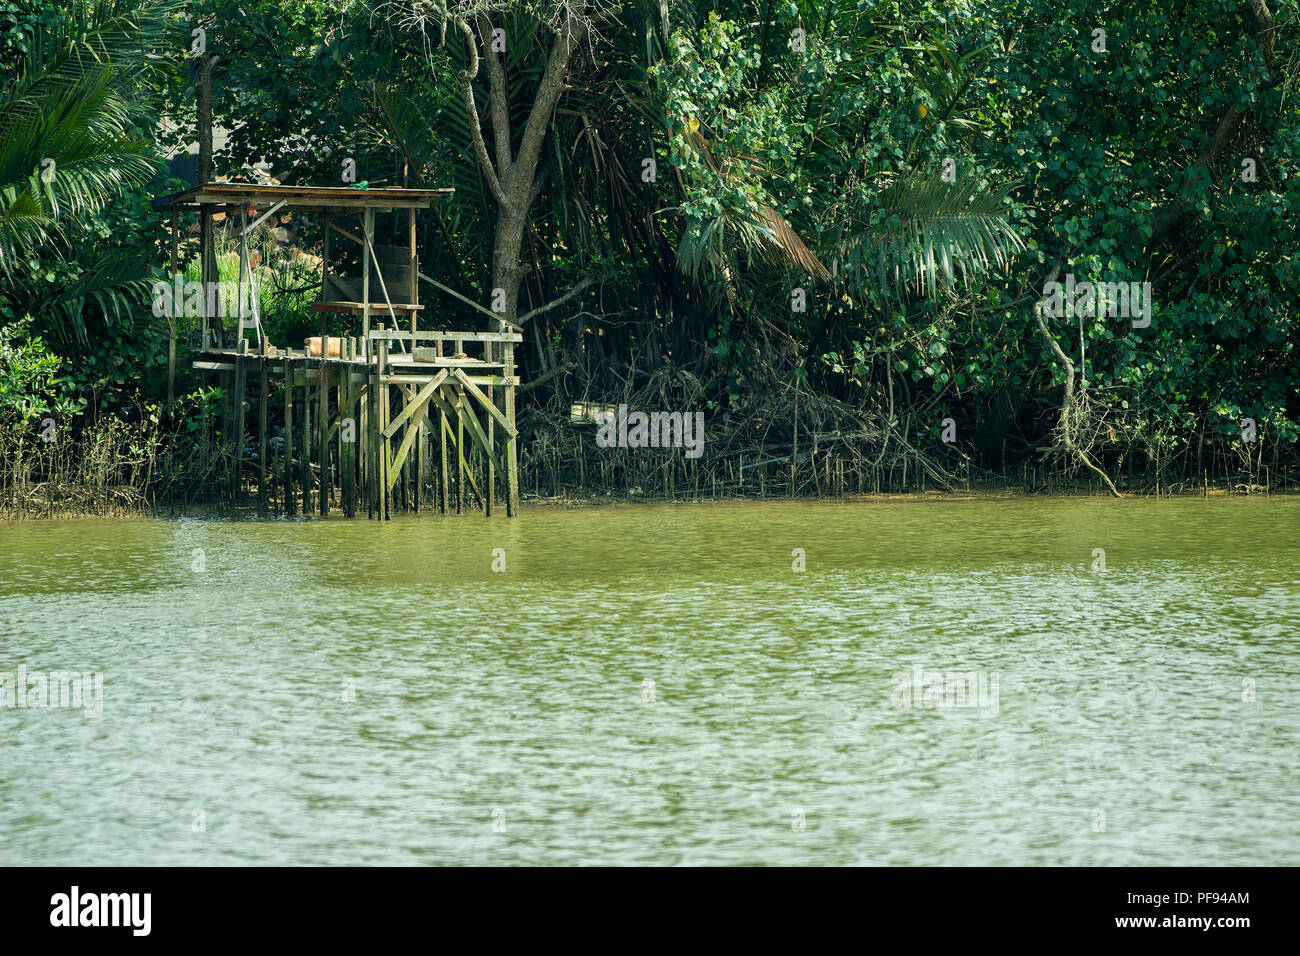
x=114 y=282
x=65 y=119
x=759 y=228
x=932 y=231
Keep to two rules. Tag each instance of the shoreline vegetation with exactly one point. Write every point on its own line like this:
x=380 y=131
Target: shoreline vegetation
x=144 y=460
x=873 y=253
x=95 y=478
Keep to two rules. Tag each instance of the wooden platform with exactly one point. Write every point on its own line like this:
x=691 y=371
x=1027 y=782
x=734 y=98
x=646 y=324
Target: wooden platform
x=367 y=420
x=367 y=414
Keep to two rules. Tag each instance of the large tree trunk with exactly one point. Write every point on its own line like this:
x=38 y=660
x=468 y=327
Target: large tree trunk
x=513 y=179
x=507 y=273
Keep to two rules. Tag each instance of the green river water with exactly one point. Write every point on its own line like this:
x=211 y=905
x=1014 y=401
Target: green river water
x=348 y=692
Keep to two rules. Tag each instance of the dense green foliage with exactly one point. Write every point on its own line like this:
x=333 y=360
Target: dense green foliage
x=854 y=202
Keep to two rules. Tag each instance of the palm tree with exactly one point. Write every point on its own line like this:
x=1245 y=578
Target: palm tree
x=68 y=145
x=931 y=230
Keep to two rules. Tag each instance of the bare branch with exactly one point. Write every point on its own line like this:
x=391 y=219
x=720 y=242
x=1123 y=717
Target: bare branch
x=570 y=34
x=471 y=111
x=585 y=283
x=547 y=376
x=1067 y=401
x=497 y=98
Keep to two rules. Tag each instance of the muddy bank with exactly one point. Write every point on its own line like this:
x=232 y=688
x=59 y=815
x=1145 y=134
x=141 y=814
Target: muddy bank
x=121 y=503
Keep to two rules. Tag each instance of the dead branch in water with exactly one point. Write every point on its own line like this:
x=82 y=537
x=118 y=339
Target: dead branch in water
x=1067 y=400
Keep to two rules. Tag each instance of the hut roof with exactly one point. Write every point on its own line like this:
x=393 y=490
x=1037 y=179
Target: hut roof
x=302 y=197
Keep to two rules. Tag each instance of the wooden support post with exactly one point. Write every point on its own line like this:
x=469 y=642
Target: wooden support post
x=421 y=463
x=288 y=438
x=409 y=489
x=443 y=478
x=243 y=265
x=385 y=485
x=488 y=502
x=413 y=291
x=460 y=450
x=323 y=422
x=209 y=337
x=512 y=461
x=417 y=464
x=175 y=242
x=403 y=471
x=306 y=444
x=227 y=380
x=171 y=318
x=177 y=308
x=263 y=427
x=360 y=448
x=325 y=257
x=340 y=482
x=512 y=448
x=368 y=230
x=241 y=381
x=372 y=438
x=348 y=444
x=413 y=297
x=410 y=477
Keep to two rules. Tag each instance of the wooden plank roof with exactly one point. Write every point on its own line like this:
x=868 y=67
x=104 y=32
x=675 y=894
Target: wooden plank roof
x=303 y=197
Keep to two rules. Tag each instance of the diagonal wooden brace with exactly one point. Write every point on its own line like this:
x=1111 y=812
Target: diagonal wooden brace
x=416 y=405
x=486 y=402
